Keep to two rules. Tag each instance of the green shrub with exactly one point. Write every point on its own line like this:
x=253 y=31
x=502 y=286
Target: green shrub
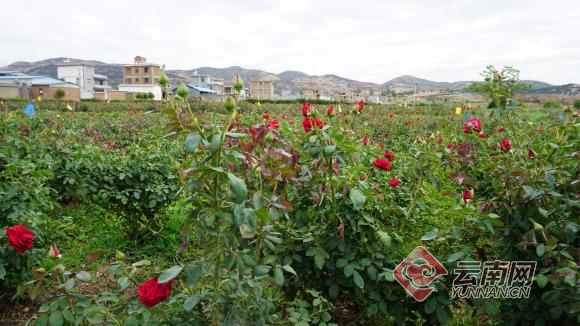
x=60 y=93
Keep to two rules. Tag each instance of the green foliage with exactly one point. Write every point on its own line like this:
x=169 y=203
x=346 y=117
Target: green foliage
x=499 y=85
x=577 y=104
x=552 y=105
x=60 y=93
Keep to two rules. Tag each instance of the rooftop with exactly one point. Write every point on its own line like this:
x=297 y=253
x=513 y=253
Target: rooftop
x=32 y=80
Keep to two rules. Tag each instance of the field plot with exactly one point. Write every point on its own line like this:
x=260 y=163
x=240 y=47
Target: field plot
x=269 y=213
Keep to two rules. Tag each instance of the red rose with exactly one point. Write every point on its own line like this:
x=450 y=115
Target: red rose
x=308 y=123
x=365 y=141
x=305 y=109
x=382 y=164
x=274 y=124
x=505 y=145
x=471 y=126
x=266 y=116
x=450 y=146
x=531 y=153
x=20 y=238
x=151 y=292
x=500 y=129
x=361 y=105
x=482 y=135
x=394 y=182
x=467 y=194
x=363 y=177
x=389 y=155
x=439 y=138
x=330 y=110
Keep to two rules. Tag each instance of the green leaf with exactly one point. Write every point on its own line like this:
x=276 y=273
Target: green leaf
x=238 y=187
x=442 y=315
x=348 y=270
x=169 y=274
x=95 y=315
x=341 y=262
x=430 y=235
x=320 y=257
x=43 y=308
x=372 y=310
x=55 y=319
x=430 y=306
x=2 y=272
x=540 y=250
x=193 y=275
x=248 y=260
x=274 y=239
x=215 y=142
x=83 y=276
x=455 y=257
x=289 y=269
x=279 y=276
x=490 y=308
x=542 y=280
x=42 y=321
x=68 y=316
x=69 y=284
x=191 y=142
x=123 y=282
x=235 y=135
x=358 y=199
x=261 y=269
x=131 y=321
x=190 y=302
x=385 y=238
x=358 y=280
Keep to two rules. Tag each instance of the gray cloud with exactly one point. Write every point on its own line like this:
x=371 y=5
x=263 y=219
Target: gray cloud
x=364 y=40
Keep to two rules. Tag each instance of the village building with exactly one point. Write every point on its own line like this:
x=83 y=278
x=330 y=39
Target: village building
x=142 y=77
x=261 y=88
x=18 y=85
x=209 y=82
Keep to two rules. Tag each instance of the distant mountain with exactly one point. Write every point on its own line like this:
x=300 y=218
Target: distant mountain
x=568 y=90
x=294 y=80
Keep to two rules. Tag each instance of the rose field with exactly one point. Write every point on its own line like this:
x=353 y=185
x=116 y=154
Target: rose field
x=249 y=213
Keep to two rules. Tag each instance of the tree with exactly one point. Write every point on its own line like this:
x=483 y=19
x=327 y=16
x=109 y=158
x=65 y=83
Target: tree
x=499 y=86
x=60 y=93
x=577 y=104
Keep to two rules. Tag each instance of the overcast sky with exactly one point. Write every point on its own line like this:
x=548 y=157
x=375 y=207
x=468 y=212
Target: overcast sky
x=365 y=40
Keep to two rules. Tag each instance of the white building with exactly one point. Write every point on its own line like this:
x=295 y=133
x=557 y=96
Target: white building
x=373 y=99
x=80 y=74
x=209 y=82
x=101 y=83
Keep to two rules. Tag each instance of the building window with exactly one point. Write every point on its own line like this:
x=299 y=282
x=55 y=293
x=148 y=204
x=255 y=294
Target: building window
x=136 y=70
x=146 y=80
x=128 y=80
x=156 y=80
x=100 y=82
x=128 y=70
x=146 y=69
x=136 y=80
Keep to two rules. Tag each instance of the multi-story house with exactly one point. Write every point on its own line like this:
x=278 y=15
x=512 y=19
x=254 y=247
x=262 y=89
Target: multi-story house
x=311 y=94
x=141 y=77
x=81 y=74
x=260 y=88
